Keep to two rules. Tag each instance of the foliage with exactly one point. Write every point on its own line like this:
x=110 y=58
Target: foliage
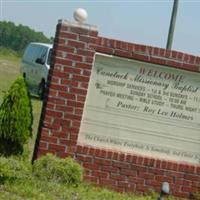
x=17 y=182
x=195 y=196
x=9 y=71
x=13 y=168
x=36 y=189
x=18 y=37
x=51 y=168
x=15 y=118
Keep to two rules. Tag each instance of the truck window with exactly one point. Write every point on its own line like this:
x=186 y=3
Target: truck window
x=31 y=53
x=49 y=57
x=42 y=53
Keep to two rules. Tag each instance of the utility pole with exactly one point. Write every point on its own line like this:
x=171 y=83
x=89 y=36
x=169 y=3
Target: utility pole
x=172 y=25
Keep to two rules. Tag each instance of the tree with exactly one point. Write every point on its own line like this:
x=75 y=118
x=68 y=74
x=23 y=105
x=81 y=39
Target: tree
x=16 y=119
x=18 y=37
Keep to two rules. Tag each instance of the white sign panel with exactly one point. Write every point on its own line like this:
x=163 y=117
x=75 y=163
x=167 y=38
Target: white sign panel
x=142 y=108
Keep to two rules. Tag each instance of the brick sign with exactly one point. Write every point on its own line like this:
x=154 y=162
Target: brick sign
x=128 y=113
x=142 y=108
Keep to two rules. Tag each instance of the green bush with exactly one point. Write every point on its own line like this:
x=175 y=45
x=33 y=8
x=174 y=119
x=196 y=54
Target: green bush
x=15 y=119
x=51 y=168
x=13 y=168
x=195 y=196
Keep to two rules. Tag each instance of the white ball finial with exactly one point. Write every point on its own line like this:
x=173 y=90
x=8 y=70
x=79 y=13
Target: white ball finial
x=80 y=15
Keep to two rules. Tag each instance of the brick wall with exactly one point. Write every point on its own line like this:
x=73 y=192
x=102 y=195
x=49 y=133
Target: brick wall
x=74 y=49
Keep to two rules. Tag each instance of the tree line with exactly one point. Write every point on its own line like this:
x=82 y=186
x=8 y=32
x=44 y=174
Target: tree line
x=17 y=37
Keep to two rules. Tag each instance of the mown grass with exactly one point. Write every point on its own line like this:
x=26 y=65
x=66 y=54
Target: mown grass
x=31 y=188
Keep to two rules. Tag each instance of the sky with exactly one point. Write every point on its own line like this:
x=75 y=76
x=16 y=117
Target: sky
x=136 y=21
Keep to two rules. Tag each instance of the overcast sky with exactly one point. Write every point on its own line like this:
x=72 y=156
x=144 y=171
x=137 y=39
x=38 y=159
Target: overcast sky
x=138 y=21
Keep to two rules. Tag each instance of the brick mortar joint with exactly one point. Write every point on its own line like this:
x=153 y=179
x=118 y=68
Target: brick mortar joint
x=167 y=169
x=78 y=25
x=149 y=55
x=145 y=52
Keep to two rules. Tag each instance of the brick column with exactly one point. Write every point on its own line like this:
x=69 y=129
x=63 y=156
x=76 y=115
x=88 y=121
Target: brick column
x=68 y=80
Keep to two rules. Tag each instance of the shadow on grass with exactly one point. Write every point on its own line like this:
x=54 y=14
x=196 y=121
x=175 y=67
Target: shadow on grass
x=35 y=97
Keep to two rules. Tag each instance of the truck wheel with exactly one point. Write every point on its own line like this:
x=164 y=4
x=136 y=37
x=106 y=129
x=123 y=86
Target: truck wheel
x=24 y=75
x=41 y=89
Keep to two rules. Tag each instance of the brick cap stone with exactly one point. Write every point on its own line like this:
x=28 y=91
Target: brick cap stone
x=78 y=25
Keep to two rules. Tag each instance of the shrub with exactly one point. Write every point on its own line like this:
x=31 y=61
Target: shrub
x=51 y=168
x=13 y=168
x=15 y=118
x=195 y=196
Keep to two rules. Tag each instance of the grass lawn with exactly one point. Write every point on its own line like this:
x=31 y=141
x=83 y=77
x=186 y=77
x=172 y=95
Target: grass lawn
x=31 y=188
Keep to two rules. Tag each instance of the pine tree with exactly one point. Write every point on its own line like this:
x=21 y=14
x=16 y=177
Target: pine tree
x=16 y=119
